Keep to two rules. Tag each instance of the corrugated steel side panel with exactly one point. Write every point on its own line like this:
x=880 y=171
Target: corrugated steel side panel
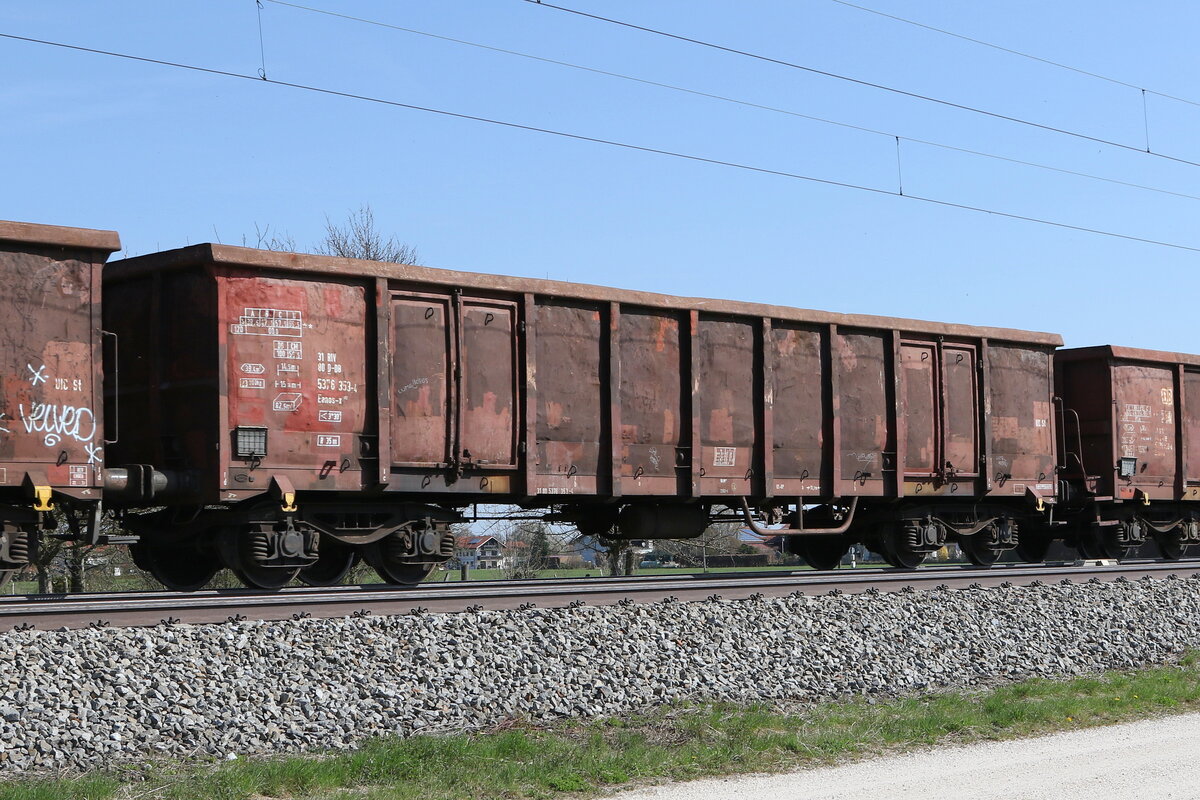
x=571 y=381
x=1021 y=419
x=801 y=410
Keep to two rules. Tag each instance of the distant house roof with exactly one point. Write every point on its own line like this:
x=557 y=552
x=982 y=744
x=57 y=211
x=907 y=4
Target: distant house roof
x=747 y=536
x=473 y=542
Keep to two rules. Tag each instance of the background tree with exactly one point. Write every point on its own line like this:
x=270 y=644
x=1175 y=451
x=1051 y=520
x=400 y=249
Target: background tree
x=359 y=237
x=63 y=565
x=719 y=539
x=616 y=561
x=529 y=546
x=267 y=240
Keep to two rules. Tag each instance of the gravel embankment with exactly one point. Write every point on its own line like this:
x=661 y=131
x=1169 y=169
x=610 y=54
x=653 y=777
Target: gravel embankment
x=75 y=699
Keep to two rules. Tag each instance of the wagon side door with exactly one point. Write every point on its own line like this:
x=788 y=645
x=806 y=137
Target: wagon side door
x=922 y=417
x=422 y=418
x=940 y=409
x=1190 y=408
x=454 y=382
x=960 y=411
x=487 y=395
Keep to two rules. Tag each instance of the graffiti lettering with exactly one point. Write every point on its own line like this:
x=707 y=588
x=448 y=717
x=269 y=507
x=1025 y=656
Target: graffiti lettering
x=57 y=421
x=39 y=374
x=414 y=383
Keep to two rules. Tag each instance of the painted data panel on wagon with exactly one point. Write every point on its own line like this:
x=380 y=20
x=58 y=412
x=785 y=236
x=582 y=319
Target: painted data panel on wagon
x=297 y=368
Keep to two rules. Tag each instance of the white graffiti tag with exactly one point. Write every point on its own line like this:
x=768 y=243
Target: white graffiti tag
x=95 y=453
x=39 y=374
x=57 y=421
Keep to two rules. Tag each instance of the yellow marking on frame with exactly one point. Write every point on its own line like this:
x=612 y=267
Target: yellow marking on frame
x=42 y=501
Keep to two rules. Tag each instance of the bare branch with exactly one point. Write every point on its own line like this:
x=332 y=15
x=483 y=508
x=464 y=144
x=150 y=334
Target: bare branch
x=360 y=238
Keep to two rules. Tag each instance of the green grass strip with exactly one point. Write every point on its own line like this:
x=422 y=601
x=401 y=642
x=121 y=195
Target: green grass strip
x=677 y=743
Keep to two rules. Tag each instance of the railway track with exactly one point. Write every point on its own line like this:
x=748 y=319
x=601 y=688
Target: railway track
x=133 y=609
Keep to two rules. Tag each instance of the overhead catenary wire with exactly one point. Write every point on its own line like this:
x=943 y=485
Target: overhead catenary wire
x=733 y=100
x=862 y=82
x=597 y=140
x=1011 y=51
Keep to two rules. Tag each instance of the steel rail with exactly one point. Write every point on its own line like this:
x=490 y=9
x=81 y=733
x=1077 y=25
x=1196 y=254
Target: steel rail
x=133 y=609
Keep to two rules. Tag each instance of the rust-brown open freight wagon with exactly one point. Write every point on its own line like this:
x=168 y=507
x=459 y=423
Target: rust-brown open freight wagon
x=341 y=406
x=51 y=417
x=1132 y=454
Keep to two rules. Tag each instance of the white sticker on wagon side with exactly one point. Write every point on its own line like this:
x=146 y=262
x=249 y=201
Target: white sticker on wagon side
x=287 y=401
x=329 y=440
x=77 y=475
x=269 y=322
x=724 y=456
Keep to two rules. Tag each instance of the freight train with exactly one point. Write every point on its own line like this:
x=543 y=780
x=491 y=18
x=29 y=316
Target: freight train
x=284 y=415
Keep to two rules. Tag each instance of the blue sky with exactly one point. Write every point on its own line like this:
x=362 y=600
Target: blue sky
x=169 y=157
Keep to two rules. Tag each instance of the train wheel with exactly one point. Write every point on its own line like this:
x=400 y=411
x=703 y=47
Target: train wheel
x=1171 y=549
x=822 y=552
x=977 y=550
x=401 y=574
x=1032 y=547
x=179 y=567
x=242 y=551
x=21 y=543
x=1106 y=543
x=334 y=562
x=896 y=550
x=1089 y=545
x=387 y=558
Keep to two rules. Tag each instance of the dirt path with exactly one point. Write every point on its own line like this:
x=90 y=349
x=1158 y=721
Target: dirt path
x=1147 y=760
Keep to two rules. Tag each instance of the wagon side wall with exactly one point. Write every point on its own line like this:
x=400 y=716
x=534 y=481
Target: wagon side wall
x=472 y=388
x=163 y=383
x=697 y=405
x=51 y=404
x=1139 y=421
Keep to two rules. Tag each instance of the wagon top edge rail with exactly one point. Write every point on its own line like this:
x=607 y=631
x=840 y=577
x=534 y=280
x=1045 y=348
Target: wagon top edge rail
x=229 y=255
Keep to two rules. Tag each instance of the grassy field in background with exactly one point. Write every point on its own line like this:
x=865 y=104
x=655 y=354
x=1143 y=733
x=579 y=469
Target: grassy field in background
x=677 y=743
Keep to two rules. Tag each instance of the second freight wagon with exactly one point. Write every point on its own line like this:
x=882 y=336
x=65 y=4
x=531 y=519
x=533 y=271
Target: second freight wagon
x=311 y=410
